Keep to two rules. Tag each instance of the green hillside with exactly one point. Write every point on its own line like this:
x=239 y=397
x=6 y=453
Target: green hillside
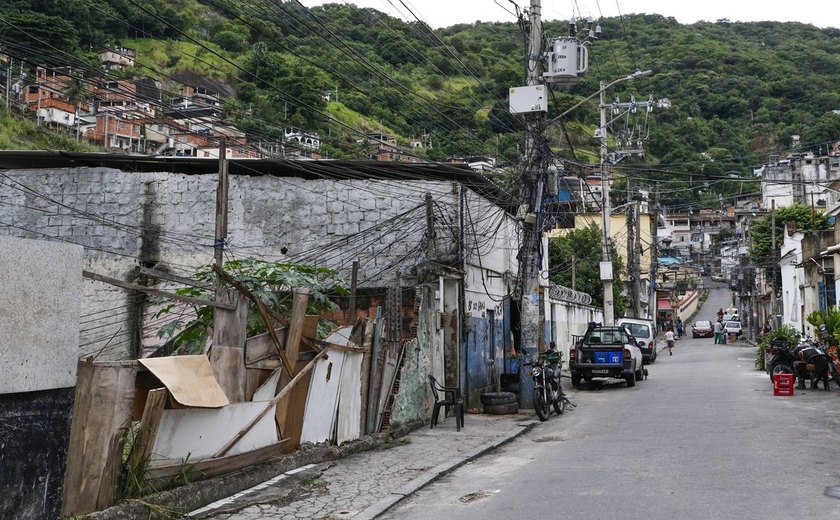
x=738 y=91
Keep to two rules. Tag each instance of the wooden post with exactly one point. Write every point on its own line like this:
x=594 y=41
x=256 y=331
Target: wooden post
x=430 y=228
x=375 y=378
x=300 y=301
x=353 y=282
x=228 y=353
x=221 y=206
x=142 y=450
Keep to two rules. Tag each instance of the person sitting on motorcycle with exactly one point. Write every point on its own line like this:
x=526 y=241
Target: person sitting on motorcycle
x=810 y=355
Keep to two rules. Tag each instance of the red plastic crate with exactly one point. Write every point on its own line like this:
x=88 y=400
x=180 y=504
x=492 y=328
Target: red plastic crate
x=783 y=384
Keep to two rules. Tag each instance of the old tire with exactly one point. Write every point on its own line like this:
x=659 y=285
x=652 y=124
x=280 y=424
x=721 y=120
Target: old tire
x=631 y=380
x=497 y=398
x=639 y=374
x=501 y=409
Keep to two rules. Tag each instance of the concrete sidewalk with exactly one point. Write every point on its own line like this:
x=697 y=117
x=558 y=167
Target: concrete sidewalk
x=365 y=485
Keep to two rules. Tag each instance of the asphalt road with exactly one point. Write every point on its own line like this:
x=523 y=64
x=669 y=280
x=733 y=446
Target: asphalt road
x=703 y=437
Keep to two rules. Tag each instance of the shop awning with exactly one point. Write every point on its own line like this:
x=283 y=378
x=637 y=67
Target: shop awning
x=663 y=304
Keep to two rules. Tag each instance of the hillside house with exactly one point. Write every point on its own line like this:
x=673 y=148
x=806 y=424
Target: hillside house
x=116 y=58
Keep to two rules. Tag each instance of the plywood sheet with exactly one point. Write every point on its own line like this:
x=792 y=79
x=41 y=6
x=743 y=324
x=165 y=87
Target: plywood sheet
x=198 y=433
x=268 y=390
x=260 y=348
x=348 y=425
x=322 y=398
x=340 y=336
x=189 y=379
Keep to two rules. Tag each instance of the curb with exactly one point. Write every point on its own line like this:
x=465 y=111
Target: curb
x=180 y=500
x=429 y=476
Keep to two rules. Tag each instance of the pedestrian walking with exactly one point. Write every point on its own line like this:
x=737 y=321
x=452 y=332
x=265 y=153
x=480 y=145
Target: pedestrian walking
x=680 y=327
x=719 y=337
x=669 y=340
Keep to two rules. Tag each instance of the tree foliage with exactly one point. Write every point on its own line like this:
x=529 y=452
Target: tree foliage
x=804 y=217
x=582 y=248
x=738 y=90
x=272 y=282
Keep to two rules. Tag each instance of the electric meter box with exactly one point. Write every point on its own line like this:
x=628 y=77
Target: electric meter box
x=525 y=100
x=606 y=271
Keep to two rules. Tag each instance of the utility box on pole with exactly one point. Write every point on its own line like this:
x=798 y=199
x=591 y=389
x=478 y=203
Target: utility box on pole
x=529 y=99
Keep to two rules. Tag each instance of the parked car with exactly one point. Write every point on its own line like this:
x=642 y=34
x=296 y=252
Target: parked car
x=732 y=327
x=642 y=330
x=702 y=329
x=609 y=352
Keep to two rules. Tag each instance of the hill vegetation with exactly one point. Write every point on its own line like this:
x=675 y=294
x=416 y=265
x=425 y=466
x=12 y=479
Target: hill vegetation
x=738 y=91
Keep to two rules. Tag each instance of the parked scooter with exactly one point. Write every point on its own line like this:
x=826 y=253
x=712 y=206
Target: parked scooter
x=547 y=389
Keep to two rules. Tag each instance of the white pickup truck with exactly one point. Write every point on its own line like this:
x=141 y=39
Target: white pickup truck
x=606 y=352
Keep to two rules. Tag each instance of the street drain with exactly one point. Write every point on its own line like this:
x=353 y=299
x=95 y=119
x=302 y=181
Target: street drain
x=832 y=491
x=478 y=495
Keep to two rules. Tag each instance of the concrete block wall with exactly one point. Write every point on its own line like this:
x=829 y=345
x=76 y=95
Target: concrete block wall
x=167 y=220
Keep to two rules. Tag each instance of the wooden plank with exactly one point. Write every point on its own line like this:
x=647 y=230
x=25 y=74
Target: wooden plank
x=261 y=347
x=101 y=414
x=300 y=301
x=271 y=403
x=366 y=342
x=229 y=325
x=322 y=399
x=147 y=429
x=163 y=275
x=348 y=423
x=297 y=408
x=229 y=369
x=374 y=382
x=77 y=496
x=190 y=380
x=148 y=290
x=208 y=468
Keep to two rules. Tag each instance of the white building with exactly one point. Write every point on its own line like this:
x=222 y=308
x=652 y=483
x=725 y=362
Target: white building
x=793 y=277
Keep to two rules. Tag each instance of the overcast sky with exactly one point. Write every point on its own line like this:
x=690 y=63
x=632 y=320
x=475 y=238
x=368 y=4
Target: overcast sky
x=443 y=13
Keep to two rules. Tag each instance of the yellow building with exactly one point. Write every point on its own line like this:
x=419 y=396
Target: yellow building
x=618 y=233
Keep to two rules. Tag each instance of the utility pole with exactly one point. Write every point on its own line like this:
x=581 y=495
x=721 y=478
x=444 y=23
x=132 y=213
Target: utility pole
x=221 y=208
x=653 y=301
x=775 y=263
x=631 y=247
x=529 y=299
x=637 y=262
x=606 y=263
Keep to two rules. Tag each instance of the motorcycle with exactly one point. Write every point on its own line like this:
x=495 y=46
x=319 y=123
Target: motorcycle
x=808 y=360
x=781 y=357
x=547 y=389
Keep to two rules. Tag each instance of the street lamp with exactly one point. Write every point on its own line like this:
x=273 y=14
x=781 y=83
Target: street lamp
x=606 y=264
x=629 y=77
